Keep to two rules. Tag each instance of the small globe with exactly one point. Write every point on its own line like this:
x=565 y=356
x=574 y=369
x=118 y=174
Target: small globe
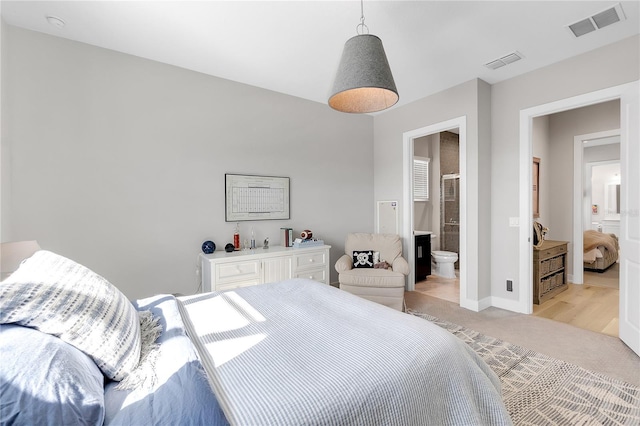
x=208 y=247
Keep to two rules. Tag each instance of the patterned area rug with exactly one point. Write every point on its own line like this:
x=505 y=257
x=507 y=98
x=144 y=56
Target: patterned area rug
x=540 y=390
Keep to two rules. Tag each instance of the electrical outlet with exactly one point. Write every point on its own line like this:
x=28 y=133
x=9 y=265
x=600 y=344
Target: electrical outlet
x=509 y=285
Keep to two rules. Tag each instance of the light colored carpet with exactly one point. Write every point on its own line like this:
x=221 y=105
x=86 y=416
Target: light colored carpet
x=540 y=390
x=590 y=350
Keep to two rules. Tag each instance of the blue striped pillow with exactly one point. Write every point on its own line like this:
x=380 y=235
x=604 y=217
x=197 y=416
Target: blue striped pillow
x=58 y=296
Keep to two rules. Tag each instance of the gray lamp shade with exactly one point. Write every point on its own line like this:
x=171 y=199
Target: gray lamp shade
x=364 y=82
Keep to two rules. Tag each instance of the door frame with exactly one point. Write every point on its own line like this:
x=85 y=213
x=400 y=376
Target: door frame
x=525 y=300
x=579 y=209
x=459 y=123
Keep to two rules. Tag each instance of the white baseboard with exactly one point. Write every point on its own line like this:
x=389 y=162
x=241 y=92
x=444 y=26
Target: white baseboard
x=506 y=304
x=476 y=305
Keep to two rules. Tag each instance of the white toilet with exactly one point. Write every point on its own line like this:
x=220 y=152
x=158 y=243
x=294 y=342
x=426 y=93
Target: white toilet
x=443 y=263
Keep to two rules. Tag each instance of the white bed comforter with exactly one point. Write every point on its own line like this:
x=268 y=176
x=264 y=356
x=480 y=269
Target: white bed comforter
x=299 y=352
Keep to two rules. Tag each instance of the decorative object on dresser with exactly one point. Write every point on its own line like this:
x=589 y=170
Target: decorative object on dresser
x=223 y=271
x=380 y=285
x=208 y=247
x=286 y=237
x=549 y=270
x=300 y=243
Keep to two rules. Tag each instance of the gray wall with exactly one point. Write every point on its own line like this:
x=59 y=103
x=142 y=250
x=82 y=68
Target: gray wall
x=118 y=162
x=609 y=66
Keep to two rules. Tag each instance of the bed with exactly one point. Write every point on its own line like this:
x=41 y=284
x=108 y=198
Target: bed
x=600 y=250
x=288 y=353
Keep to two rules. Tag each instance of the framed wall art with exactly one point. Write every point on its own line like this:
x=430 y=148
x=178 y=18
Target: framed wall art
x=249 y=197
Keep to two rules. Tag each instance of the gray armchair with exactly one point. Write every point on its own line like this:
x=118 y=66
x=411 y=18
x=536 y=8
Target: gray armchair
x=384 y=286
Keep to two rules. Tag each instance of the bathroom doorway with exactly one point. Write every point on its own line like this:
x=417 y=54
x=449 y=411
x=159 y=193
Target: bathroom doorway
x=436 y=213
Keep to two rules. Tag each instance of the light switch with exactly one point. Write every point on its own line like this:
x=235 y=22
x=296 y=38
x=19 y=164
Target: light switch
x=514 y=221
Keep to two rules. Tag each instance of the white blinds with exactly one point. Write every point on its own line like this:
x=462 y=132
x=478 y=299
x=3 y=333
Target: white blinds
x=421 y=178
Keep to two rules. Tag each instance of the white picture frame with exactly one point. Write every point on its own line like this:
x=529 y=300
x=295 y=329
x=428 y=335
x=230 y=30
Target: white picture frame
x=253 y=197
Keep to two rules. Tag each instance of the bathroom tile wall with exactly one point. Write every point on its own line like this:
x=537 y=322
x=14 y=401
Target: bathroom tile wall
x=450 y=164
x=449 y=153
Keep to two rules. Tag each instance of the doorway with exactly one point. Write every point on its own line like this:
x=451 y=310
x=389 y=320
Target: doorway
x=594 y=304
x=409 y=225
x=628 y=94
x=436 y=215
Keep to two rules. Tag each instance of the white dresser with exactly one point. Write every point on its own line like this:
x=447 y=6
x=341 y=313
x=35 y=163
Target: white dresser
x=223 y=271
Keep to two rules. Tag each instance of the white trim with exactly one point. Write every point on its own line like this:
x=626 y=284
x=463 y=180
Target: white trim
x=407 y=216
x=579 y=217
x=506 y=304
x=474 y=305
x=525 y=301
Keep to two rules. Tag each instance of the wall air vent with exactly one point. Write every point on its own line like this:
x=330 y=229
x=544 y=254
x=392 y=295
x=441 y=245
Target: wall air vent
x=504 y=60
x=598 y=21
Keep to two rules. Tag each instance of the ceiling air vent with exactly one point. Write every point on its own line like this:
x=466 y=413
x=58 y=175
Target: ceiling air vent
x=598 y=21
x=582 y=27
x=504 y=60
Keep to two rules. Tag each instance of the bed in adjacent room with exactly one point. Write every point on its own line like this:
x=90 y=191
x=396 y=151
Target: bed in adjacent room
x=600 y=250
x=293 y=352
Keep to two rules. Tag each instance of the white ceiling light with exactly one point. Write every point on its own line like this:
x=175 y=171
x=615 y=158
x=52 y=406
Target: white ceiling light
x=55 y=21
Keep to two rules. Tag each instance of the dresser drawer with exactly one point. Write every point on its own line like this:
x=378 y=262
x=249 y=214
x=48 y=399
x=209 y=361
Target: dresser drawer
x=313 y=274
x=550 y=252
x=309 y=260
x=237 y=271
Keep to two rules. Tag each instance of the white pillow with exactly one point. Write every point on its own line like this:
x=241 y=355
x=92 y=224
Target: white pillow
x=60 y=297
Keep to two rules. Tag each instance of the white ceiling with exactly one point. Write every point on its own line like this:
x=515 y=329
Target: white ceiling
x=294 y=47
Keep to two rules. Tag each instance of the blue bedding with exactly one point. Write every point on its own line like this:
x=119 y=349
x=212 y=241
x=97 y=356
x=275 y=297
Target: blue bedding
x=181 y=395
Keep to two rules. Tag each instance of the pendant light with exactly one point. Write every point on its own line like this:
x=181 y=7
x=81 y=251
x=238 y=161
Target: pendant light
x=364 y=82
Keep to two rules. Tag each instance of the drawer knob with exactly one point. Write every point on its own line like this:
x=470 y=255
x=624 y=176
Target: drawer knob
x=310 y=260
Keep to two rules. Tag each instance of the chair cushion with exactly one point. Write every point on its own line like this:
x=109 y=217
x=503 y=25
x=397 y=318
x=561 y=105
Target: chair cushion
x=370 y=277
x=363 y=259
x=389 y=245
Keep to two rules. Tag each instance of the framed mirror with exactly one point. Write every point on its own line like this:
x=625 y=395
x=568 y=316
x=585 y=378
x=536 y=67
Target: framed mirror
x=612 y=201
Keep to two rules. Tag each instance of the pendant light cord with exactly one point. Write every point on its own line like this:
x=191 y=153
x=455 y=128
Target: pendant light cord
x=362 y=26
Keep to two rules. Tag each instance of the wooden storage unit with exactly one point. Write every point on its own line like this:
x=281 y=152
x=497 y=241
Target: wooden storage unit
x=549 y=270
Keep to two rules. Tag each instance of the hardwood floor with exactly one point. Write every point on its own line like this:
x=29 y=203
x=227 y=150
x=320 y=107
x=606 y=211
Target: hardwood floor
x=442 y=288
x=586 y=306
x=591 y=306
